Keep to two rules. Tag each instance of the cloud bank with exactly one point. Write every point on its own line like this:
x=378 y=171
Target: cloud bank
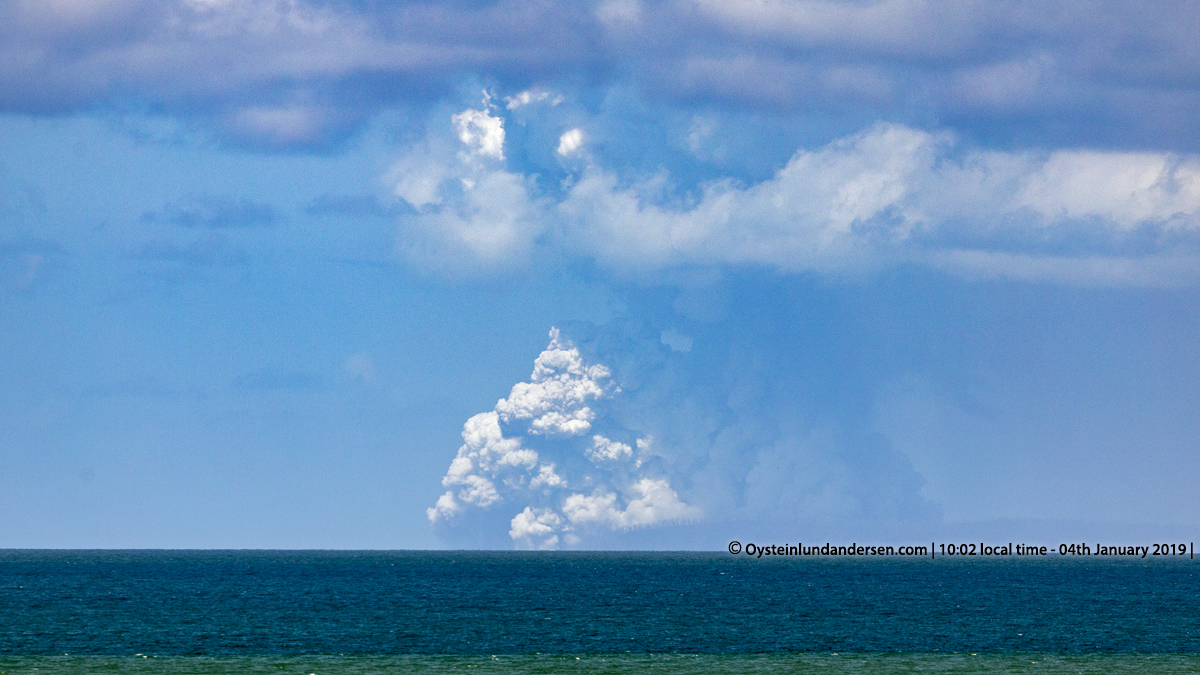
x=887 y=195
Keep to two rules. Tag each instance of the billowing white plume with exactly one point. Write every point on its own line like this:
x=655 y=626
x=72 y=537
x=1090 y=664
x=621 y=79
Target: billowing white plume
x=579 y=482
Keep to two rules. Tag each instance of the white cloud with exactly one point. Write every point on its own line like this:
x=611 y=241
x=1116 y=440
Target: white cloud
x=532 y=524
x=484 y=456
x=495 y=467
x=570 y=142
x=471 y=212
x=446 y=507
x=655 y=502
x=802 y=218
x=605 y=450
x=555 y=399
x=418 y=176
x=547 y=478
x=490 y=222
x=889 y=194
x=677 y=445
x=480 y=132
x=531 y=96
x=1124 y=189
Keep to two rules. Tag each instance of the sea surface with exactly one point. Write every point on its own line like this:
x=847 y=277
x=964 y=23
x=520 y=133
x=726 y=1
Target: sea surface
x=150 y=612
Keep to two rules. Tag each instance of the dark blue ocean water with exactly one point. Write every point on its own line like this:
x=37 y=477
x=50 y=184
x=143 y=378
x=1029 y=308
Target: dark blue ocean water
x=294 y=603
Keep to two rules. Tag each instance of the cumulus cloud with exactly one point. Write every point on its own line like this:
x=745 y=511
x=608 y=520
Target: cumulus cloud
x=1125 y=189
x=605 y=450
x=887 y=195
x=539 y=525
x=655 y=502
x=480 y=132
x=600 y=485
x=471 y=212
x=570 y=142
x=672 y=440
x=555 y=400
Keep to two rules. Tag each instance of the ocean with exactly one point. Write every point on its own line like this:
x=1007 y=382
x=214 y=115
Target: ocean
x=331 y=612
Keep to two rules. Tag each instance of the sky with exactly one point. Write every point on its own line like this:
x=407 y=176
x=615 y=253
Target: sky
x=591 y=275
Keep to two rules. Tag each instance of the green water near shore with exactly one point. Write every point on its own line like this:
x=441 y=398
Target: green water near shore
x=606 y=664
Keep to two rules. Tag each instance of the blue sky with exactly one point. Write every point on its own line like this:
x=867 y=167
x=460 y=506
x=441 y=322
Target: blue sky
x=281 y=274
